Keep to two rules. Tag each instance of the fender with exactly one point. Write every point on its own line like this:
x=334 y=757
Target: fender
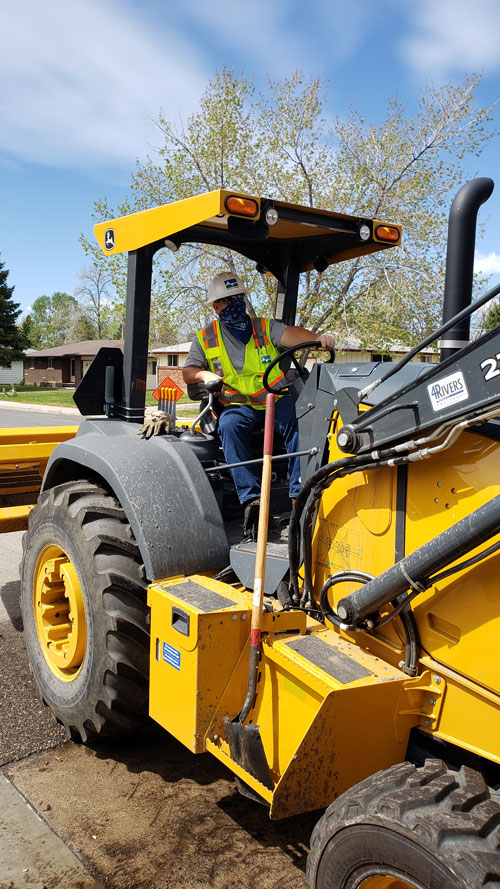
x=162 y=488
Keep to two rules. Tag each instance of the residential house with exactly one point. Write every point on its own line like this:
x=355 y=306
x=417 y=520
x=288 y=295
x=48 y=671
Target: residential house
x=169 y=363
x=350 y=351
x=12 y=374
x=60 y=366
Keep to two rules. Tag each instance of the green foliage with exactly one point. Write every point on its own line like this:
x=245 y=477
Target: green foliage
x=12 y=341
x=25 y=328
x=281 y=144
x=52 y=318
x=492 y=319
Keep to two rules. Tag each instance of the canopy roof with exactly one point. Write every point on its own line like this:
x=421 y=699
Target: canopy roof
x=320 y=237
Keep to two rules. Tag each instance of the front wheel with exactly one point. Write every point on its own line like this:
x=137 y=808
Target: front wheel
x=83 y=597
x=409 y=828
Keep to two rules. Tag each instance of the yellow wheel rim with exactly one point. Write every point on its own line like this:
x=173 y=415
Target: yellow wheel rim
x=385 y=882
x=60 y=613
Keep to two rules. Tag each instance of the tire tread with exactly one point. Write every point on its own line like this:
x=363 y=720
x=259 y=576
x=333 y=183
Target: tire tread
x=454 y=814
x=119 y=579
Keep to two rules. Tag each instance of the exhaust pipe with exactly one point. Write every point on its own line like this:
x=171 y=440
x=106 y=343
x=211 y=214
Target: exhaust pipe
x=460 y=260
x=413 y=571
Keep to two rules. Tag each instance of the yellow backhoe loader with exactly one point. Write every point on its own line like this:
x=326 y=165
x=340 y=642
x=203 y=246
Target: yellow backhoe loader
x=361 y=673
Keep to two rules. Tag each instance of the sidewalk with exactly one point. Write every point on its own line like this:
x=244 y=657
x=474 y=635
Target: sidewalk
x=31 y=854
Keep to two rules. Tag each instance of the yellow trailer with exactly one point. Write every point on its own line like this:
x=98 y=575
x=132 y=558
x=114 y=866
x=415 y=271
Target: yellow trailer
x=24 y=454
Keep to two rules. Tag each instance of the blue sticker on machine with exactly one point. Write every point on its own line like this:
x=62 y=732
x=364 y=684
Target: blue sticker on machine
x=172 y=656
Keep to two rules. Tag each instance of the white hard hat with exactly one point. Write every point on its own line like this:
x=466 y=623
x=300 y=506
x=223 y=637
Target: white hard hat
x=223 y=286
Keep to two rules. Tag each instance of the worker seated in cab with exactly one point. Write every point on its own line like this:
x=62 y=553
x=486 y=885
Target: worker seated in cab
x=230 y=356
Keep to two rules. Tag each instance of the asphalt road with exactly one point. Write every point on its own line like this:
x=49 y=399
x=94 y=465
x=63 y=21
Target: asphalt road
x=139 y=813
x=28 y=415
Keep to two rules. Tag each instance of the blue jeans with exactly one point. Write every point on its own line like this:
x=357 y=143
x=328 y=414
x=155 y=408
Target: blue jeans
x=236 y=425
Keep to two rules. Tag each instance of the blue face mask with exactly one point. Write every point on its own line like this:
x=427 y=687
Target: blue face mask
x=235 y=315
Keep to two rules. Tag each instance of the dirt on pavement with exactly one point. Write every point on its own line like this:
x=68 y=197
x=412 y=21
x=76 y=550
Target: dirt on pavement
x=147 y=814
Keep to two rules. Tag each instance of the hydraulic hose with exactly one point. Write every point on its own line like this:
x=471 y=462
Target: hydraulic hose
x=413 y=571
x=320 y=476
x=323 y=480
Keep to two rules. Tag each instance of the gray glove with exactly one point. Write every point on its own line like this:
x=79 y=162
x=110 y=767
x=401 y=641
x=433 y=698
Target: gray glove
x=160 y=423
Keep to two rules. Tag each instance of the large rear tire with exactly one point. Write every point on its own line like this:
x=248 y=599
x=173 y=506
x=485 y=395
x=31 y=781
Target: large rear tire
x=83 y=597
x=408 y=828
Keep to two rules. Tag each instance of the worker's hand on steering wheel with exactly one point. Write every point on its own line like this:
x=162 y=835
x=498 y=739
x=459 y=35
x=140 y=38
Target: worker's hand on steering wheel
x=327 y=342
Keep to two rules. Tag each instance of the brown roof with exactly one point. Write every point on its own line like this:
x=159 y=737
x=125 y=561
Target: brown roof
x=88 y=347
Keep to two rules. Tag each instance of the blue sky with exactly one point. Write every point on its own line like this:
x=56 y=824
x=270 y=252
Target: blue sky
x=83 y=80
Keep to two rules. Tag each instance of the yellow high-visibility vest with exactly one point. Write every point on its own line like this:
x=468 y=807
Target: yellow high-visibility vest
x=245 y=387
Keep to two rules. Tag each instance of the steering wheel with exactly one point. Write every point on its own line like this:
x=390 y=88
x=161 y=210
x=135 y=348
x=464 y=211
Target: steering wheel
x=300 y=370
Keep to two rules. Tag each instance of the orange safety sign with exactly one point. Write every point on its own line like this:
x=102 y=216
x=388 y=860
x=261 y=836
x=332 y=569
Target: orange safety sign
x=168 y=391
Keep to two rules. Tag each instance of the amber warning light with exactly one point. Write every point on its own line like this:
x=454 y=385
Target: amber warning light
x=241 y=206
x=387 y=233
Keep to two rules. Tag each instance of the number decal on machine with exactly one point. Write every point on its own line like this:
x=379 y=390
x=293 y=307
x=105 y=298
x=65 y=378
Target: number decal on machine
x=492 y=367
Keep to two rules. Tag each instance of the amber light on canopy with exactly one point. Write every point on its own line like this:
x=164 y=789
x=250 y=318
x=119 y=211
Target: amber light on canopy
x=241 y=206
x=387 y=233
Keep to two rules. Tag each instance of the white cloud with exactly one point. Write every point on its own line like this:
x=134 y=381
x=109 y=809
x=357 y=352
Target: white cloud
x=453 y=35
x=275 y=37
x=487 y=263
x=81 y=80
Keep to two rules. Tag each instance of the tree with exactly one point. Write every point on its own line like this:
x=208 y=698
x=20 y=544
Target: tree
x=492 y=319
x=25 y=328
x=94 y=296
x=12 y=341
x=52 y=319
x=281 y=145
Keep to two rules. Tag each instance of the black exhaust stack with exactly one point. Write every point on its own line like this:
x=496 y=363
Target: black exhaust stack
x=460 y=260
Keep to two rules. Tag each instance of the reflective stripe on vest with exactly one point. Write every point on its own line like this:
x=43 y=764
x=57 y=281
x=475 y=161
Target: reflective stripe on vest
x=259 y=333
x=245 y=387
x=210 y=336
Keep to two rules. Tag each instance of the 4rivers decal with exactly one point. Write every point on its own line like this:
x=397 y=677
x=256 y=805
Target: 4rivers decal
x=448 y=391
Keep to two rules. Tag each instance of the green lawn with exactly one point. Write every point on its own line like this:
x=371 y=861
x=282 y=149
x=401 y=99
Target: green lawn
x=59 y=397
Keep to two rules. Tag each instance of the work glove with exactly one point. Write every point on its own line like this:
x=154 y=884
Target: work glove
x=160 y=423
x=215 y=385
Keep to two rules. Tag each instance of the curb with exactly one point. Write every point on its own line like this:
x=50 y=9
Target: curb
x=41 y=408
x=183 y=410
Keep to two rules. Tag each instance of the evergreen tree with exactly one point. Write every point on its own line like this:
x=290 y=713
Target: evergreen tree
x=12 y=341
x=493 y=317
x=25 y=329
